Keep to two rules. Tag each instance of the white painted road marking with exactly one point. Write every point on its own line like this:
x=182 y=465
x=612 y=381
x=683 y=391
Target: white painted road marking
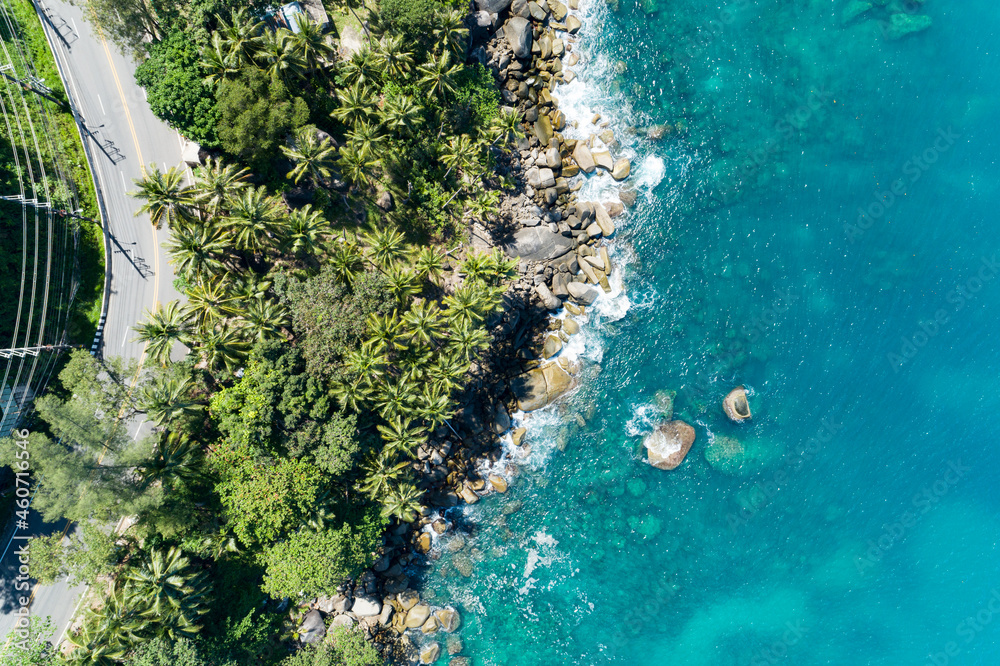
x=102 y=105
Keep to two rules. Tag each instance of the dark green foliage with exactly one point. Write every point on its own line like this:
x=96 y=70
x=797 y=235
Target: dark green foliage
x=345 y=647
x=256 y=112
x=330 y=317
x=162 y=652
x=277 y=407
x=316 y=559
x=173 y=82
x=413 y=18
x=477 y=100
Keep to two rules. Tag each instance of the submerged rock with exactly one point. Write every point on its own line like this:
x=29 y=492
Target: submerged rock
x=668 y=445
x=665 y=403
x=853 y=10
x=901 y=25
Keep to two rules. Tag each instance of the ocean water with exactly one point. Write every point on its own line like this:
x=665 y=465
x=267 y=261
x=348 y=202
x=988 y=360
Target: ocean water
x=860 y=524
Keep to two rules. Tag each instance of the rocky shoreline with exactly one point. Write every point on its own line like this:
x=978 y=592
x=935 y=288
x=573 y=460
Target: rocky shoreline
x=564 y=264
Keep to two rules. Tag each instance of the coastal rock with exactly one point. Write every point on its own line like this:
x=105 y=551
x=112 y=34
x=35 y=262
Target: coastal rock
x=628 y=197
x=454 y=644
x=430 y=653
x=664 y=401
x=498 y=482
x=584 y=158
x=431 y=625
x=581 y=293
x=469 y=495
x=603 y=159
x=501 y=420
x=571 y=327
x=408 y=599
x=621 y=169
x=366 y=606
x=559 y=10
x=345 y=621
x=538 y=11
x=423 y=543
x=543 y=129
x=604 y=219
x=548 y=299
x=539 y=244
x=416 y=616
x=449 y=619
x=736 y=406
x=573 y=25
x=386 y=615
x=493 y=6
x=667 y=446
x=540 y=386
x=553 y=345
x=594 y=230
x=312 y=629
x=517 y=30
x=520 y=8
x=518 y=436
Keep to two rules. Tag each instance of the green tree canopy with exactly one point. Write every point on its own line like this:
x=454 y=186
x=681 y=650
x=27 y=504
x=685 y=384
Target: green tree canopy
x=255 y=113
x=172 y=78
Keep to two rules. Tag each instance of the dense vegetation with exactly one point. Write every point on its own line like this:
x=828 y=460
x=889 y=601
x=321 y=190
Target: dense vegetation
x=330 y=316
x=65 y=142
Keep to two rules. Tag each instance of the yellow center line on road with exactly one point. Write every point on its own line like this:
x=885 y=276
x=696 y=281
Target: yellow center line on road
x=156 y=265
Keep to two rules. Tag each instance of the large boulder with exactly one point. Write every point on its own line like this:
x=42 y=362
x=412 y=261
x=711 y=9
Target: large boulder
x=517 y=30
x=539 y=387
x=492 y=6
x=584 y=158
x=417 y=616
x=621 y=169
x=430 y=653
x=667 y=446
x=603 y=219
x=581 y=293
x=538 y=244
x=736 y=406
x=548 y=299
x=366 y=607
x=449 y=619
x=312 y=629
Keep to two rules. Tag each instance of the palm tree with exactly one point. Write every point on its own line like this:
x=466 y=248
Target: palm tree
x=429 y=262
x=484 y=205
x=355 y=165
x=163 y=327
x=438 y=76
x=422 y=323
x=222 y=346
x=307 y=229
x=346 y=262
x=108 y=633
x=264 y=318
x=350 y=395
x=403 y=503
x=436 y=406
x=363 y=67
x=311 y=44
x=402 y=437
x=461 y=152
x=396 y=400
x=451 y=31
x=217 y=61
x=380 y=470
x=366 y=137
x=176 y=458
x=278 y=56
x=312 y=157
x=384 y=246
x=386 y=330
x=167 y=198
x=466 y=340
x=253 y=214
x=368 y=361
x=196 y=251
x=167 y=399
x=208 y=303
x=173 y=592
x=215 y=183
x=506 y=126
x=239 y=37
x=355 y=104
x=402 y=113
x=464 y=306
x=401 y=282
x=395 y=60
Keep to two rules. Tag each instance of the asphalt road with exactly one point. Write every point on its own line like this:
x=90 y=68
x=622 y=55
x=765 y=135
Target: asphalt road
x=124 y=137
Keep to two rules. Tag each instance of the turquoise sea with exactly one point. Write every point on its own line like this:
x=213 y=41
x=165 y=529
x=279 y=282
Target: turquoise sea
x=860 y=522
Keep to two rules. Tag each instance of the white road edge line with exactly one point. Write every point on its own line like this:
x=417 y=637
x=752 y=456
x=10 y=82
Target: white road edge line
x=101 y=102
x=83 y=596
x=124 y=184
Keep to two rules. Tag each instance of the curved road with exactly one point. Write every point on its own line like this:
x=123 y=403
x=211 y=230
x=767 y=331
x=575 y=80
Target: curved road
x=124 y=136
